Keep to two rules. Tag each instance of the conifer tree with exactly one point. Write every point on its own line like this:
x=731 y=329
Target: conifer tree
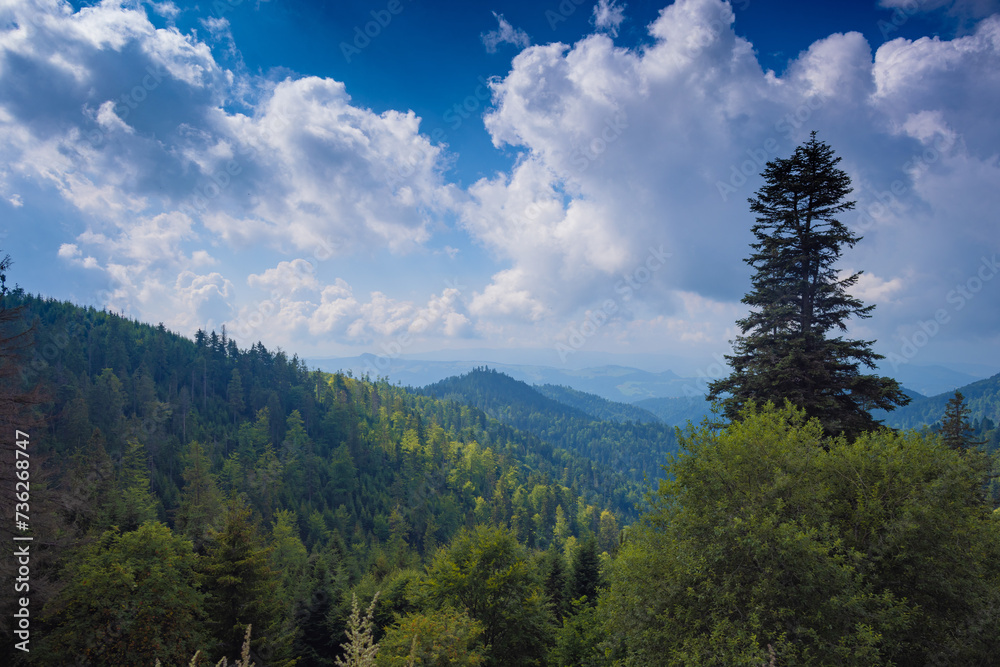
x=585 y=574
x=201 y=501
x=134 y=503
x=955 y=428
x=243 y=588
x=798 y=298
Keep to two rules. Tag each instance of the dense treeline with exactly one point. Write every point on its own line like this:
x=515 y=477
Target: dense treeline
x=636 y=449
x=269 y=493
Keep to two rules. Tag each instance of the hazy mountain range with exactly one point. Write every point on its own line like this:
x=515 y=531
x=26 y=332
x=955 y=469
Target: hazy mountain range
x=624 y=393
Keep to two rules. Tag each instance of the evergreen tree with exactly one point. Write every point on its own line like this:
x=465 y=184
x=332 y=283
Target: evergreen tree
x=798 y=298
x=201 y=502
x=955 y=428
x=585 y=574
x=235 y=393
x=243 y=588
x=88 y=499
x=556 y=581
x=134 y=503
x=322 y=584
x=129 y=599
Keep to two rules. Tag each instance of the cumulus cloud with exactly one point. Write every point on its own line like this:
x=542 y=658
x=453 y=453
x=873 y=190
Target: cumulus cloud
x=298 y=305
x=504 y=34
x=158 y=148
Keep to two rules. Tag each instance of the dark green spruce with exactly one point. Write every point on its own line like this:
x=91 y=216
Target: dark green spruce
x=791 y=347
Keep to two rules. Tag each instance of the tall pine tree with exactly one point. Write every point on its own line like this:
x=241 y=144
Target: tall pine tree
x=955 y=428
x=798 y=298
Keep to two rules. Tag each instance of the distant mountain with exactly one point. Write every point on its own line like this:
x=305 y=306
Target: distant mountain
x=622 y=384
x=930 y=380
x=636 y=450
x=613 y=383
x=982 y=398
x=595 y=406
x=677 y=411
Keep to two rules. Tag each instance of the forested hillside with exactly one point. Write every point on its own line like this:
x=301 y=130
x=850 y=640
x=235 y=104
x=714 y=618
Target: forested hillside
x=637 y=450
x=599 y=408
x=274 y=491
x=677 y=411
x=982 y=399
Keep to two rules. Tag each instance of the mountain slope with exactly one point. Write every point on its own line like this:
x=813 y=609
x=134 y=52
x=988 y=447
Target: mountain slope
x=349 y=480
x=636 y=450
x=982 y=398
x=677 y=411
x=595 y=406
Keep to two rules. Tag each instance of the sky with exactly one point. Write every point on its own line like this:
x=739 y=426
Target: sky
x=551 y=182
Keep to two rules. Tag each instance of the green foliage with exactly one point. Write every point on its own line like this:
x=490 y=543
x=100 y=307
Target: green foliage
x=798 y=297
x=489 y=575
x=130 y=599
x=873 y=552
x=243 y=588
x=956 y=431
x=599 y=408
x=134 y=502
x=585 y=572
x=556 y=581
x=443 y=638
x=201 y=502
x=634 y=449
x=982 y=398
x=579 y=641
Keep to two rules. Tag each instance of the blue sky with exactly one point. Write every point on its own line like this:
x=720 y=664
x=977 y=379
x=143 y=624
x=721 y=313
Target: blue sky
x=557 y=180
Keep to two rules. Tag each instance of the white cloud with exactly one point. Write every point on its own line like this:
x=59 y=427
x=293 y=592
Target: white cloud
x=504 y=34
x=69 y=250
x=608 y=16
x=161 y=154
x=288 y=314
